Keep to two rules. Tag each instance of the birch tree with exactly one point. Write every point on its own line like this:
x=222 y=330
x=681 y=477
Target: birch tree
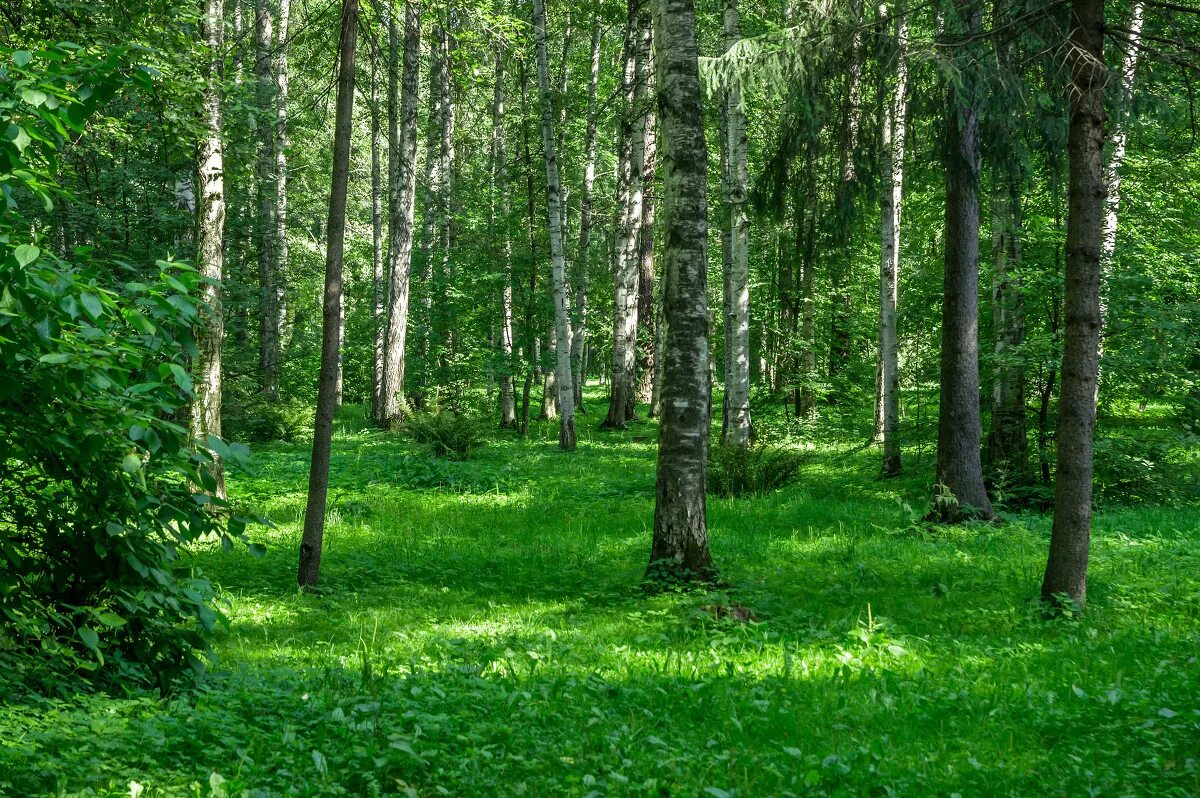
x=583 y=255
x=565 y=394
x=680 y=543
x=210 y=244
x=500 y=188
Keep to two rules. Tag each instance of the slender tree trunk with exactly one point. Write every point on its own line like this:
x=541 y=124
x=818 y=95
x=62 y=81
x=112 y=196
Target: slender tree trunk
x=1007 y=442
x=445 y=265
x=660 y=329
x=1112 y=170
x=807 y=395
x=508 y=401
x=680 y=543
x=631 y=162
x=736 y=429
x=318 y=479
x=959 y=469
x=271 y=308
x=282 y=44
x=210 y=246
x=558 y=264
x=583 y=258
x=890 y=196
x=1066 y=566
x=645 y=335
x=378 y=287
x=402 y=192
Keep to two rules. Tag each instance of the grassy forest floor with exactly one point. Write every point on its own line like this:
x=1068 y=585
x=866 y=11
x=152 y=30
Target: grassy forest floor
x=482 y=633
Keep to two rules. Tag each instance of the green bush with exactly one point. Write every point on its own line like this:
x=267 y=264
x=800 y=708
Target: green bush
x=446 y=433
x=250 y=417
x=733 y=471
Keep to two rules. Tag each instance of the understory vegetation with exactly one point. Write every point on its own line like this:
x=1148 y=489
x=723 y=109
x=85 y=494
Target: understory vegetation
x=481 y=624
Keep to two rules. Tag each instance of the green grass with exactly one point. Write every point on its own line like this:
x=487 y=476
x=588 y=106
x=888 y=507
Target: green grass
x=483 y=634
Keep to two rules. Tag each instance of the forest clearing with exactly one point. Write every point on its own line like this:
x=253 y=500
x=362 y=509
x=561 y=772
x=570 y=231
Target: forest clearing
x=718 y=398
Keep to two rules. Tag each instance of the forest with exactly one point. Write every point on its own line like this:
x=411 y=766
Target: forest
x=717 y=398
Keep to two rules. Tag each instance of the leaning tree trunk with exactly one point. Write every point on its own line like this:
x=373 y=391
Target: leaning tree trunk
x=1112 y=170
x=680 y=544
x=1066 y=566
x=210 y=248
x=558 y=264
x=318 y=476
x=583 y=258
x=271 y=308
x=960 y=490
x=631 y=162
x=890 y=198
x=508 y=399
x=402 y=191
x=735 y=431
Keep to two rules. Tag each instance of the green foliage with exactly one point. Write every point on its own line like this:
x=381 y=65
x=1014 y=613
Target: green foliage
x=753 y=471
x=446 y=433
x=250 y=417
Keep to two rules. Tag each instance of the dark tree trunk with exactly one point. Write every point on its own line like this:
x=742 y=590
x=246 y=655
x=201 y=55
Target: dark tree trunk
x=1066 y=567
x=318 y=476
x=959 y=468
x=680 y=545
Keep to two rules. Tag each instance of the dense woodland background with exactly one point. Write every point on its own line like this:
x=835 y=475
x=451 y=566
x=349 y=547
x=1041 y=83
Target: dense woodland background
x=845 y=285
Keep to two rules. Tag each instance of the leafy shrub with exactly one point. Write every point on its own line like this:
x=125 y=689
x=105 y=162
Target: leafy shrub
x=250 y=417
x=733 y=471
x=1162 y=470
x=446 y=433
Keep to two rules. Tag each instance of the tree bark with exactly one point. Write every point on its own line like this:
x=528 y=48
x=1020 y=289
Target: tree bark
x=402 y=192
x=378 y=286
x=960 y=489
x=309 y=570
x=210 y=246
x=891 y=194
x=583 y=258
x=735 y=431
x=1066 y=566
x=631 y=161
x=271 y=306
x=1008 y=446
x=680 y=544
x=644 y=358
x=508 y=399
x=558 y=265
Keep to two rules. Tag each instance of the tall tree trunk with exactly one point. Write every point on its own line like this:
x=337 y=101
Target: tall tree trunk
x=645 y=335
x=839 y=319
x=446 y=263
x=959 y=469
x=402 y=192
x=1007 y=445
x=271 y=308
x=282 y=44
x=378 y=287
x=735 y=431
x=558 y=261
x=210 y=245
x=631 y=162
x=1066 y=566
x=1112 y=170
x=891 y=193
x=508 y=401
x=309 y=570
x=583 y=258
x=806 y=397
x=680 y=544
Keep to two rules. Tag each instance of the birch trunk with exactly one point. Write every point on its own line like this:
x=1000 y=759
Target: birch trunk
x=508 y=399
x=1066 y=566
x=309 y=570
x=959 y=469
x=558 y=265
x=270 y=301
x=378 y=287
x=891 y=196
x=210 y=247
x=645 y=335
x=1112 y=170
x=622 y=397
x=680 y=544
x=583 y=257
x=402 y=191
x=736 y=428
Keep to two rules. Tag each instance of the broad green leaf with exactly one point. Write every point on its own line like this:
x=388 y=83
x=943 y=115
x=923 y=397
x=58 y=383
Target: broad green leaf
x=89 y=637
x=91 y=303
x=26 y=254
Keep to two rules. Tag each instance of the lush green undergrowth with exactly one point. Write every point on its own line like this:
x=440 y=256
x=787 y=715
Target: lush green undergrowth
x=481 y=632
